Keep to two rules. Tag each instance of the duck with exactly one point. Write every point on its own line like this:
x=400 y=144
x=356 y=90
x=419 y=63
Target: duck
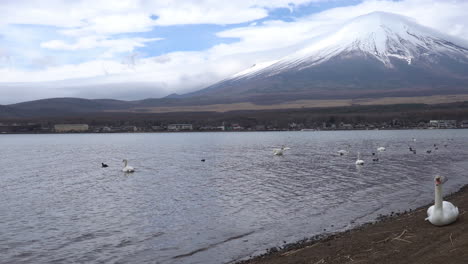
x=342 y=152
x=280 y=151
x=127 y=168
x=359 y=161
x=202 y=160
x=103 y=165
x=429 y=151
x=442 y=212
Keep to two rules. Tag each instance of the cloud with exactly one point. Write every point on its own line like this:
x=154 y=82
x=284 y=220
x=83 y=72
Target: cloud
x=112 y=46
x=108 y=16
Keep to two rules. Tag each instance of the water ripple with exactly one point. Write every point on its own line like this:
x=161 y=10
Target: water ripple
x=59 y=206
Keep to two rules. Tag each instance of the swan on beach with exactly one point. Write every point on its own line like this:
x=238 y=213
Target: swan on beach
x=442 y=212
x=359 y=161
x=127 y=168
x=381 y=149
x=280 y=151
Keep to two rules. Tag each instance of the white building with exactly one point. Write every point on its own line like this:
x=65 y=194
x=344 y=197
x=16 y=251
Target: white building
x=179 y=127
x=443 y=123
x=464 y=124
x=71 y=128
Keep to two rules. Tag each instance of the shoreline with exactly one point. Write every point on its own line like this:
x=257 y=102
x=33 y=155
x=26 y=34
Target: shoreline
x=399 y=238
x=227 y=131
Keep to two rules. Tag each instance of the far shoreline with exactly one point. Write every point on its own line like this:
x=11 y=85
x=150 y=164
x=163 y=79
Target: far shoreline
x=227 y=131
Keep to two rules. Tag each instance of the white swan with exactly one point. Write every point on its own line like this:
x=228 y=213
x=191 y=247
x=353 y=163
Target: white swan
x=442 y=212
x=359 y=161
x=280 y=151
x=126 y=167
x=381 y=149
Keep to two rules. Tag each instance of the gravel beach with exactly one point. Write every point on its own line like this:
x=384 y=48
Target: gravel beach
x=402 y=238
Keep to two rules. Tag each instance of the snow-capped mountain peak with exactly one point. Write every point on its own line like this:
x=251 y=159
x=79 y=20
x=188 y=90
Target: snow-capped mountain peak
x=379 y=34
x=378 y=54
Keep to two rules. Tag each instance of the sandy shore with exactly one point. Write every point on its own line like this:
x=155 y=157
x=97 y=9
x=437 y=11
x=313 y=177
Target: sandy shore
x=404 y=238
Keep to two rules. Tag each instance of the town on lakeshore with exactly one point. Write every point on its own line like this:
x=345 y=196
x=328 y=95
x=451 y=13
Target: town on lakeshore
x=15 y=127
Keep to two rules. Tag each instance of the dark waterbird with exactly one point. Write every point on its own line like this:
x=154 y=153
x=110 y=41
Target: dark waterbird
x=203 y=160
x=429 y=151
x=104 y=165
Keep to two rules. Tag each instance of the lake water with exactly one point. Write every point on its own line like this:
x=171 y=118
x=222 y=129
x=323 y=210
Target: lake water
x=57 y=205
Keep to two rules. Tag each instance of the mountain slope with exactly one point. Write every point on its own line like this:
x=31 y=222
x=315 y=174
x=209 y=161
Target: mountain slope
x=379 y=54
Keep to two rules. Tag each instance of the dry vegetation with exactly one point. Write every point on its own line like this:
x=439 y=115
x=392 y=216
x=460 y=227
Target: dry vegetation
x=435 y=99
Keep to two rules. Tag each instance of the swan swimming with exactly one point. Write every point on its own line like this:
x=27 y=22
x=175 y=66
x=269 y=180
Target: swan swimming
x=103 y=165
x=442 y=212
x=381 y=149
x=280 y=151
x=127 y=168
x=359 y=161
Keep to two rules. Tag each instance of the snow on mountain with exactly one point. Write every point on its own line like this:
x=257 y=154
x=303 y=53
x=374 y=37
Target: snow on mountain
x=380 y=35
x=255 y=68
x=375 y=55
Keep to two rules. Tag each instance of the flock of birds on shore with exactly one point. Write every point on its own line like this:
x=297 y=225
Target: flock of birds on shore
x=440 y=214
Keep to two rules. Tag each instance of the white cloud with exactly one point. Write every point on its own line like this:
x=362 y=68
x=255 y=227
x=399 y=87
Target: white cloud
x=134 y=15
x=91 y=42
x=114 y=24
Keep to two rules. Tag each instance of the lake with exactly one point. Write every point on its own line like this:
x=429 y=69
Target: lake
x=57 y=205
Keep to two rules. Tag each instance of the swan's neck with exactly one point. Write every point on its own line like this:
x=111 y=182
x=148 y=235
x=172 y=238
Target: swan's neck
x=125 y=162
x=438 y=197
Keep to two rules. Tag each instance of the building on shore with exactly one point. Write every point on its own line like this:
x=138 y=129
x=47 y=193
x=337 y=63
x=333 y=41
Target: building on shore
x=443 y=123
x=464 y=124
x=179 y=127
x=62 y=128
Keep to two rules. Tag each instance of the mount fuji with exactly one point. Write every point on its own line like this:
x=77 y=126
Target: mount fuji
x=375 y=55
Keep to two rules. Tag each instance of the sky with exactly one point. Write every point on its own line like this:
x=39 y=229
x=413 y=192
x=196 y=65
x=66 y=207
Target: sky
x=136 y=49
